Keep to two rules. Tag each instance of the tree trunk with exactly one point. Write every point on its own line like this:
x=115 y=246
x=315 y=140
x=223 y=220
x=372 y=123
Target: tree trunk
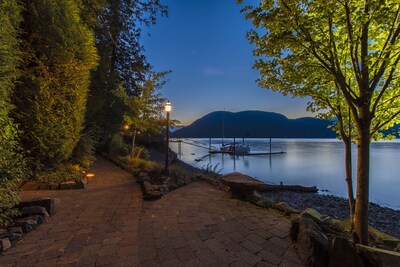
x=349 y=178
x=133 y=145
x=360 y=234
x=346 y=137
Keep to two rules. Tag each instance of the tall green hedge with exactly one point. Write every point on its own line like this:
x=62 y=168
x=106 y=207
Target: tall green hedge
x=52 y=94
x=12 y=162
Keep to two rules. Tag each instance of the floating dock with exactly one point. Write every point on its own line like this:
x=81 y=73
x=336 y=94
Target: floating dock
x=214 y=150
x=247 y=154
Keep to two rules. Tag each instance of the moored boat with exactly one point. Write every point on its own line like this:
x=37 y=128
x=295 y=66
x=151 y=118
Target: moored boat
x=235 y=148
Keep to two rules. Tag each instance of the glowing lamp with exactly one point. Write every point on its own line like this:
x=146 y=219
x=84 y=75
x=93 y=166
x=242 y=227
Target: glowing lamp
x=168 y=107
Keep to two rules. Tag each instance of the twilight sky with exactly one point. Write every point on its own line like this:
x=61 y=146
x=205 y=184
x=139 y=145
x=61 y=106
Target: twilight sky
x=203 y=43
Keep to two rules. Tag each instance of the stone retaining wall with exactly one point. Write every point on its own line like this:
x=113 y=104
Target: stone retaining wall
x=32 y=213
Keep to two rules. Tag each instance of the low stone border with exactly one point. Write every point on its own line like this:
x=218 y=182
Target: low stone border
x=33 y=213
x=69 y=185
x=154 y=191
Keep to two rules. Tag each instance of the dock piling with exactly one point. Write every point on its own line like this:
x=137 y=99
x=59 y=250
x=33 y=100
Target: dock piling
x=270 y=145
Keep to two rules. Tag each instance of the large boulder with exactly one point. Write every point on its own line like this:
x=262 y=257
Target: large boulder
x=14 y=237
x=344 y=253
x=68 y=185
x=262 y=201
x=5 y=244
x=242 y=186
x=33 y=210
x=163 y=189
x=285 y=208
x=15 y=230
x=313 y=245
x=237 y=179
x=383 y=240
x=81 y=184
x=150 y=191
x=379 y=257
x=50 y=204
x=313 y=213
x=27 y=224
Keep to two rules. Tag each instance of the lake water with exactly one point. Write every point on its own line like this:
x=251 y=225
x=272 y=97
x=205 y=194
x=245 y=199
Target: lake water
x=306 y=162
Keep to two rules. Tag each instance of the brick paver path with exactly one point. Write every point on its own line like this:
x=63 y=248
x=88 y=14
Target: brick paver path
x=198 y=225
x=107 y=224
x=97 y=226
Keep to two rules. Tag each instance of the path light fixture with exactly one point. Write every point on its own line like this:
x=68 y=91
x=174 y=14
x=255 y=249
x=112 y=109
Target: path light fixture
x=167 y=108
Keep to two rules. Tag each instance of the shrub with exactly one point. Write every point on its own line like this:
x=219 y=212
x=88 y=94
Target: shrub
x=12 y=170
x=84 y=153
x=117 y=148
x=157 y=169
x=142 y=153
x=176 y=172
x=8 y=199
x=212 y=172
x=66 y=172
x=137 y=163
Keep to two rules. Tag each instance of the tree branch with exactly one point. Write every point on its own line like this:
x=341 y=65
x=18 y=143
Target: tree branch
x=388 y=37
x=393 y=39
x=353 y=51
x=380 y=125
x=386 y=85
x=364 y=89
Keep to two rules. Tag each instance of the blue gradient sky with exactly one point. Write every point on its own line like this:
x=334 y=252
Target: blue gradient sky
x=203 y=43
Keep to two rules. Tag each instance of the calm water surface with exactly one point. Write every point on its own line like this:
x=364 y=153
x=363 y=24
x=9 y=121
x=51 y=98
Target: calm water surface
x=306 y=162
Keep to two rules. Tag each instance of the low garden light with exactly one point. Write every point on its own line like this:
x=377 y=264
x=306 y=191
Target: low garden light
x=167 y=108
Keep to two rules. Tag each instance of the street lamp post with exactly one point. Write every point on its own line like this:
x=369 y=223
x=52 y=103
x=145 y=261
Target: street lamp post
x=168 y=108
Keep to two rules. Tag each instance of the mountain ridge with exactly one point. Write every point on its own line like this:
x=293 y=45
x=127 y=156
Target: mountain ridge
x=254 y=123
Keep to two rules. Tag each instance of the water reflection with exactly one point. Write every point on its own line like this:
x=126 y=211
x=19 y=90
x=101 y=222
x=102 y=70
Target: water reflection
x=307 y=162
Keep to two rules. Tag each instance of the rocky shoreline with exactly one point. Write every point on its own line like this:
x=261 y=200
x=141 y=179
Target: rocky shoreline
x=384 y=219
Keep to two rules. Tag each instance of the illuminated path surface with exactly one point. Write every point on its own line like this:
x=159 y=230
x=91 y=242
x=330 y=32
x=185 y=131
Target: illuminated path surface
x=108 y=224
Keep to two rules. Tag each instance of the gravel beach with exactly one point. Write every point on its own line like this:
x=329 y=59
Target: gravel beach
x=384 y=219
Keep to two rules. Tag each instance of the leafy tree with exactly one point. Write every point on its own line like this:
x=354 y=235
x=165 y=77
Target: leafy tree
x=89 y=11
x=12 y=161
x=144 y=111
x=354 y=45
x=52 y=92
x=122 y=60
